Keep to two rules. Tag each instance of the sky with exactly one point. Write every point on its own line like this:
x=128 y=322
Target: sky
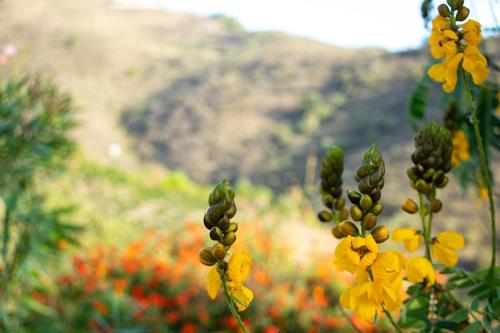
x=391 y=24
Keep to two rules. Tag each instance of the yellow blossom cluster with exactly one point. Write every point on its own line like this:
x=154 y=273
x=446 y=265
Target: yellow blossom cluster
x=379 y=276
x=458 y=44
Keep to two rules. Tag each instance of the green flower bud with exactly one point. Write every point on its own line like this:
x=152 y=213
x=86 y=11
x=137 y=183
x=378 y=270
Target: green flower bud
x=206 y=257
x=444 y=10
x=325 y=216
x=348 y=228
x=216 y=211
x=340 y=203
x=380 y=234
x=356 y=213
x=343 y=214
x=428 y=174
x=443 y=183
x=215 y=234
x=224 y=223
x=377 y=209
x=232 y=210
x=233 y=227
x=354 y=196
x=409 y=206
x=411 y=174
x=458 y=5
x=337 y=233
x=328 y=200
x=366 y=202
x=229 y=238
x=207 y=223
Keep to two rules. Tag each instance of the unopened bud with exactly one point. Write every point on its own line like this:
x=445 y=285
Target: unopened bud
x=207 y=223
x=328 y=200
x=436 y=205
x=215 y=233
x=354 y=196
x=340 y=204
x=444 y=10
x=356 y=213
x=366 y=202
x=223 y=223
x=409 y=206
x=219 y=251
x=325 y=216
x=229 y=238
x=369 y=221
x=422 y=186
x=458 y=4
x=343 y=214
x=232 y=210
x=233 y=227
x=380 y=234
x=337 y=233
x=428 y=174
x=206 y=257
x=463 y=13
x=443 y=182
x=348 y=228
x=377 y=208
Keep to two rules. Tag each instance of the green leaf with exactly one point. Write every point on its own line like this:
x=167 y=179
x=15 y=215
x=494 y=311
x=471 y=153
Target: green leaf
x=474 y=328
x=418 y=100
x=38 y=307
x=458 y=316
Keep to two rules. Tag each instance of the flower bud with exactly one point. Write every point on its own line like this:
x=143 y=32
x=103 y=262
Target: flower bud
x=463 y=13
x=337 y=233
x=451 y=3
x=443 y=182
x=422 y=186
x=206 y=257
x=377 y=208
x=232 y=210
x=354 y=196
x=229 y=238
x=366 y=202
x=380 y=234
x=207 y=223
x=233 y=227
x=409 y=206
x=219 y=251
x=458 y=4
x=428 y=174
x=411 y=174
x=215 y=233
x=223 y=223
x=436 y=205
x=343 y=215
x=348 y=228
x=325 y=216
x=369 y=221
x=356 y=213
x=328 y=200
x=340 y=203
x=444 y=10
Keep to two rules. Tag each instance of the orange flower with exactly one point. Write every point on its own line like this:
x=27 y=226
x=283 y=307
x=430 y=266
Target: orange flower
x=100 y=307
x=119 y=285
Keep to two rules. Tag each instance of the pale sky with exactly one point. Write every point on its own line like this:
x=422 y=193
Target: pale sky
x=390 y=24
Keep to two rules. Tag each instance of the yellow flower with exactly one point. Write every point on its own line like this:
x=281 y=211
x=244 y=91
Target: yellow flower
x=440 y=23
x=444 y=247
x=460 y=148
x=475 y=63
x=388 y=266
x=472 y=32
x=353 y=253
x=410 y=237
x=446 y=72
x=419 y=269
x=361 y=298
x=443 y=43
x=237 y=271
x=483 y=193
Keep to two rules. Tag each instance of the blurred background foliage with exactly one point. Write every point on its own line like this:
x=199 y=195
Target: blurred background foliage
x=93 y=213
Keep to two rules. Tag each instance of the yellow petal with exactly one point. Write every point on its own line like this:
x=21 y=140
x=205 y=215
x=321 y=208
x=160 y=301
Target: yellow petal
x=444 y=254
x=213 y=282
x=409 y=236
x=242 y=297
x=239 y=266
x=451 y=239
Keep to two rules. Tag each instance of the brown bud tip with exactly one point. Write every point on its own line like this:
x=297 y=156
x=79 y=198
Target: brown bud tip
x=458 y=4
x=348 y=228
x=206 y=257
x=380 y=234
x=463 y=13
x=337 y=233
x=409 y=206
x=219 y=251
x=444 y=10
x=224 y=223
x=436 y=205
x=356 y=213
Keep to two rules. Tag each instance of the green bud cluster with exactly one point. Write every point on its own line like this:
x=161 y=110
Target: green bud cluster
x=218 y=220
x=331 y=171
x=365 y=202
x=457 y=6
x=432 y=158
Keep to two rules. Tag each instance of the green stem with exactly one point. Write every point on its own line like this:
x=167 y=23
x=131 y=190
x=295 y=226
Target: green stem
x=485 y=174
x=393 y=323
x=230 y=304
x=425 y=232
x=6 y=232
